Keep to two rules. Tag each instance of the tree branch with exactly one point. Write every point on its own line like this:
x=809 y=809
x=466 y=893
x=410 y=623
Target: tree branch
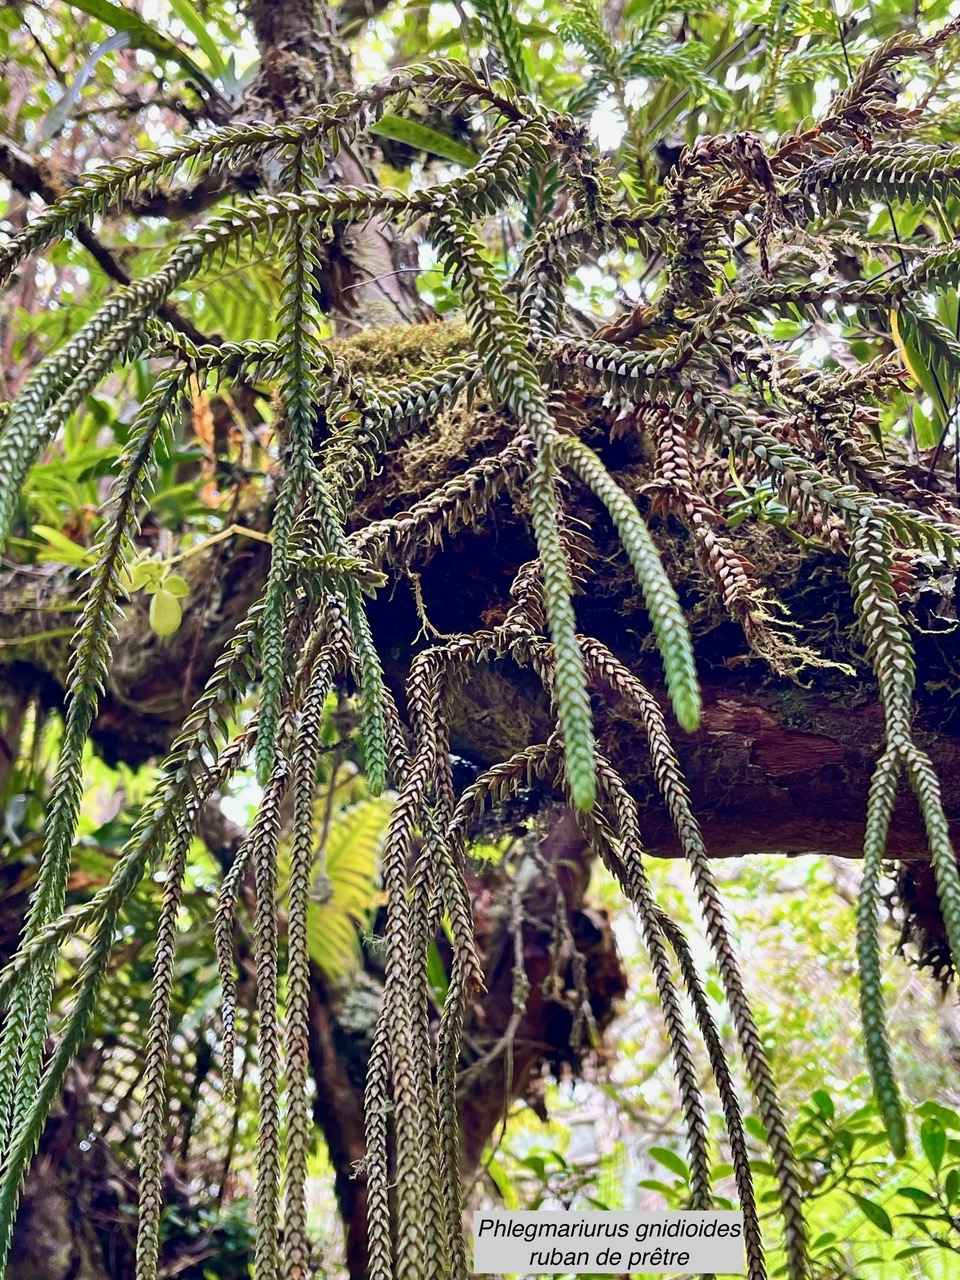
x=35 y=177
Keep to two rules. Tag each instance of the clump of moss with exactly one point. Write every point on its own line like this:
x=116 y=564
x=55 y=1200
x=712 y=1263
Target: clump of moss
x=402 y=351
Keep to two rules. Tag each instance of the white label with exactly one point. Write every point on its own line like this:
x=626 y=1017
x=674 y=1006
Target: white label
x=544 y=1243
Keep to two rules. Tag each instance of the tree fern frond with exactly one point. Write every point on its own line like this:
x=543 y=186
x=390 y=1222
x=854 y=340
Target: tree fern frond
x=348 y=869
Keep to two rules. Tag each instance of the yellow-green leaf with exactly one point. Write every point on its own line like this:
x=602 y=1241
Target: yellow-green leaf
x=165 y=613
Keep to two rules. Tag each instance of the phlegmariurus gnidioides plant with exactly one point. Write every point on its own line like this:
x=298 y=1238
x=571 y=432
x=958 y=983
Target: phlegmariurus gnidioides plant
x=336 y=429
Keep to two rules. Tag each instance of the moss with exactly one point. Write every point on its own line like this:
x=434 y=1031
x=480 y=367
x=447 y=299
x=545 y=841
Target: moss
x=402 y=350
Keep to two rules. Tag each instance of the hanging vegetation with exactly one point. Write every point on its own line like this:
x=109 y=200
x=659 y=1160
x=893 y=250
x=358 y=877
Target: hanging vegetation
x=690 y=369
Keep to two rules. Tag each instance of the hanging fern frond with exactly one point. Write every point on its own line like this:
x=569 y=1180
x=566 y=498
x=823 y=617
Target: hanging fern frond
x=669 y=778
x=896 y=171
x=25 y=1029
x=891 y=653
x=666 y=616
x=305 y=360
x=626 y=863
x=513 y=376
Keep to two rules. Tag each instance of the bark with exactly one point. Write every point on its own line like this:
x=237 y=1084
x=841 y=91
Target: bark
x=777 y=766
x=367 y=272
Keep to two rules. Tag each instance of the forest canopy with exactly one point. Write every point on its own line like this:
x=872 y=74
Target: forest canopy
x=452 y=457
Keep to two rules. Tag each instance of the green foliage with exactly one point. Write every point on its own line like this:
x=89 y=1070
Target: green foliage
x=340 y=901
x=604 y=1144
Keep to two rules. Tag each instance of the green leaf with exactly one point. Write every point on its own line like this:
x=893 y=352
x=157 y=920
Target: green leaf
x=504 y=1183
x=932 y=355
x=414 y=134
x=875 y=1213
x=194 y=23
x=947 y=1117
x=176 y=585
x=436 y=974
x=951 y=1186
x=142 y=35
x=754 y=1126
x=933 y=1139
x=670 y=1160
x=911 y=1251
x=66 y=550
x=823 y=1102
x=918 y=1196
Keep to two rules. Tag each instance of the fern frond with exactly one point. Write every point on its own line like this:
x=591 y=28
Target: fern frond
x=880 y=802
x=666 y=616
x=545 y=269
x=355 y=451
x=187 y=774
x=893 y=171
x=395 y=1027
x=514 y=378
x=52 y=393
x=626 y=863
x=372 y=728
x=27 y=1017
x=156 y=1061
x=943 y=857
x=739 y=1154
x=891 y=654
x=264 y=835
x=461 y=502
x=583 y=23
x=669 y=779
x=305 y=359
x=503 y=32
x=859 y=96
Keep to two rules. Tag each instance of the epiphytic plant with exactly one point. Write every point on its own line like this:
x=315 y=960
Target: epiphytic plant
x=803 y=431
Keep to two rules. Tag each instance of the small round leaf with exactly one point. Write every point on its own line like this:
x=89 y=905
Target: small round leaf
x=176 y=585
x=165 y=613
